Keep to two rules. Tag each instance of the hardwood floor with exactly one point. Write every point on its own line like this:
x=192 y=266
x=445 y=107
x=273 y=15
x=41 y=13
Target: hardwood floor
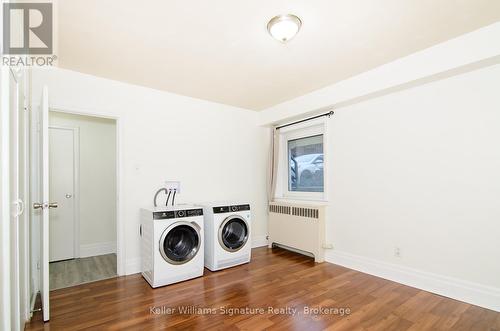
x=275 y=278
x=83 y=270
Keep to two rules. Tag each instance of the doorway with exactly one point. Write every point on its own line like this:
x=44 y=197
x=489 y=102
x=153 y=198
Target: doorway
x=82 y=168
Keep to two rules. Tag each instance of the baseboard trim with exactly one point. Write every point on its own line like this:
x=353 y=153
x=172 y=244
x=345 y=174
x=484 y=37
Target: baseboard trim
x=97 y=249
x=473 y=293
x=133 y=266
x=259 y=241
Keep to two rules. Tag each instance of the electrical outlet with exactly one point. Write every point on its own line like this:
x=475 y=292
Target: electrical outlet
x=173 y=185
x=397 y=252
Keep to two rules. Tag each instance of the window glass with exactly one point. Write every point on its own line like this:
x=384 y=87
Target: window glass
x=305 y=164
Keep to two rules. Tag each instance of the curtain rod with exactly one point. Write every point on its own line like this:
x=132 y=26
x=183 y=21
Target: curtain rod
x=329 y=114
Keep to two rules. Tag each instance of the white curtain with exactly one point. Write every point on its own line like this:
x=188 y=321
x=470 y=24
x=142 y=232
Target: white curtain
x=273 y=163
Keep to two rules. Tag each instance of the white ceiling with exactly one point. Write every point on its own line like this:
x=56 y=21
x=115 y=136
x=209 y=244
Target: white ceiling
x=221 y=51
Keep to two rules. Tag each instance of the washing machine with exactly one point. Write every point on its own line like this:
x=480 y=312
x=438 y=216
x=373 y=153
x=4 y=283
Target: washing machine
x=227 y=235
x=172 y=244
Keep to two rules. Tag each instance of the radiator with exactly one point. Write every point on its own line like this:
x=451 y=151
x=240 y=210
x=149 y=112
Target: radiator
x=300 y=227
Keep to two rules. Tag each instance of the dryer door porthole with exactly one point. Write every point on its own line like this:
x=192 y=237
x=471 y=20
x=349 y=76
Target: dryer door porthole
x=180 y=242
x=233 y=233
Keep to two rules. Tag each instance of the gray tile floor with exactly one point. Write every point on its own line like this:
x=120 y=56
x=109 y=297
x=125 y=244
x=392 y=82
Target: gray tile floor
x=78 y=271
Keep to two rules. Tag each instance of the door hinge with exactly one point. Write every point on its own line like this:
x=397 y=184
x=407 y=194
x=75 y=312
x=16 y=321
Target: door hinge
x=38 y=265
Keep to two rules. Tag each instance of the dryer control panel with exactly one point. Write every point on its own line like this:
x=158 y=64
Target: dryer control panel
x=228 y=209
x=161 y=215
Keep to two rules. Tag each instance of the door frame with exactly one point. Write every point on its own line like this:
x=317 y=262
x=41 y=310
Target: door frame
x=120 y=226
x=76 y=184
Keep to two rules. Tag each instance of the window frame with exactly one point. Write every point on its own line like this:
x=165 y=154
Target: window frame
x=303 y=130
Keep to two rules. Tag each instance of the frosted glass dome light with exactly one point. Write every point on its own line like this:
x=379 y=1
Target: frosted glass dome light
x=284 y=27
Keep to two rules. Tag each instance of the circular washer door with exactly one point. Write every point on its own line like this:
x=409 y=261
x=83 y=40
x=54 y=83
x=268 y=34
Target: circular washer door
x=233 y=233
x=180 y=243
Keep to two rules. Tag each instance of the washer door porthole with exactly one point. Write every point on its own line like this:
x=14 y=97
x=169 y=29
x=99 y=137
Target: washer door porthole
x=180 y=242
x=233 y=233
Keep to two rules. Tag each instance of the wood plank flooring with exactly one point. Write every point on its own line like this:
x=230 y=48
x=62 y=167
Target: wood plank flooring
x=79 y=271
x=275 y=278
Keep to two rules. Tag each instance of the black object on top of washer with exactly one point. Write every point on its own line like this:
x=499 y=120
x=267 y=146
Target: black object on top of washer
x=161 y=215
x=227 y=209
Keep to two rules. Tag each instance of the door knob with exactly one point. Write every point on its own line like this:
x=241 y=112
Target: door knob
x=44 y=205
x=37 y=205
x=68 y=196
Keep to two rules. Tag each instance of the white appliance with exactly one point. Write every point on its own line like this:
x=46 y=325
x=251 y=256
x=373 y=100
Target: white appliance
x=172 y=244
x=227 y=235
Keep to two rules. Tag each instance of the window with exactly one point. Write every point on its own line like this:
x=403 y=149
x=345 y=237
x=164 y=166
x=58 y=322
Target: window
x=305 y=164
x=301 y=170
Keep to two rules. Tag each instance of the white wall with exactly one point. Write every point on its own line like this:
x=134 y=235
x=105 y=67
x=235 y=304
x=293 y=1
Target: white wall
x=416 y=168
x=97 y=172
x=216 y=151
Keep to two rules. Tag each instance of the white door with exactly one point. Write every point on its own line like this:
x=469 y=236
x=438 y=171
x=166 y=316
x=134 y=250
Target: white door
x=17 y=204
x=5 y=203
x=22 y=176
x=45 y=204
x=24 y=190
x=12 y=301
x=61 y=173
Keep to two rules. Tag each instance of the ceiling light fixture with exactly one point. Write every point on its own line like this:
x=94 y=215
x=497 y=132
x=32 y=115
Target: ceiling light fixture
x=284 y=27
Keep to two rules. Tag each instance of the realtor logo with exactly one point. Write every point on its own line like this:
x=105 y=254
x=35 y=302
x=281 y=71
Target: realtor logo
x=27 y=28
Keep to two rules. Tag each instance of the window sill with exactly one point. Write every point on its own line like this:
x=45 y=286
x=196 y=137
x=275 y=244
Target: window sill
x=304 y=201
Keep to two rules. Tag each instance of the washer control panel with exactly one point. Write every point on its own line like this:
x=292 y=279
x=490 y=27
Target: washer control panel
x=228 y=209
x=161 y=215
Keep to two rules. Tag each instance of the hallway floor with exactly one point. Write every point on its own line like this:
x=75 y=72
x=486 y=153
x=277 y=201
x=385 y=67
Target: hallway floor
x=79 y=271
